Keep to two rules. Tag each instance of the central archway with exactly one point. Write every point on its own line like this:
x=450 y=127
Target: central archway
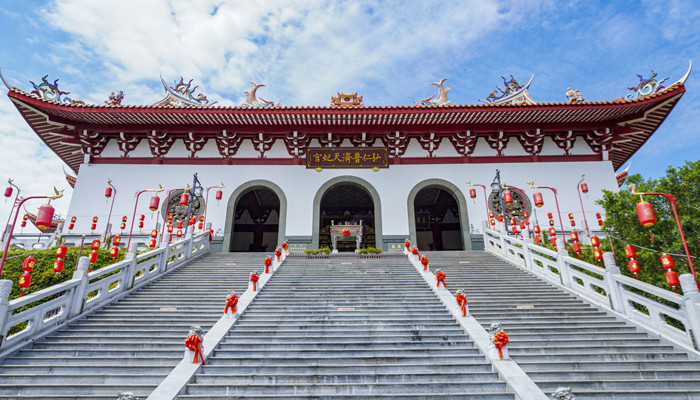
x=351 y=199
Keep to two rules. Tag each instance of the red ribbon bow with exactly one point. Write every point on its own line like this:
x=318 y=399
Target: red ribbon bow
x=193 y=343
x=440 y=278
x=254 y=278
x=231 y=302
x=500 y=340
x=462 y=301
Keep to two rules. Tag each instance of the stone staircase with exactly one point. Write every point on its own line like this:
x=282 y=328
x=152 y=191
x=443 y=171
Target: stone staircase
x=133 y=343
x=346 y=329
x=561 y=340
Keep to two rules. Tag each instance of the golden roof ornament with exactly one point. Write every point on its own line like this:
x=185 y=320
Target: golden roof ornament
x=346 y=100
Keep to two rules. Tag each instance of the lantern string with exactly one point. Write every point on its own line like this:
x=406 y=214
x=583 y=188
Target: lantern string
x=652 y=250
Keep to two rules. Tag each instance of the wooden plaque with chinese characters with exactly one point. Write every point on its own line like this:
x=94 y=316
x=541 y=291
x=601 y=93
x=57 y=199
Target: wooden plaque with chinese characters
x=347 y=157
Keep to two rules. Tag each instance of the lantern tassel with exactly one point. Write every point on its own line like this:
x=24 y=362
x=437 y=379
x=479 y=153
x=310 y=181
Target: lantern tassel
x=651 y=235
x=21 y=293
x=674 y=288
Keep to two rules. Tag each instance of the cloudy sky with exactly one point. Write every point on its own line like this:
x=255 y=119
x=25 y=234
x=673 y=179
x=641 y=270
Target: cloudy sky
x=306 y=51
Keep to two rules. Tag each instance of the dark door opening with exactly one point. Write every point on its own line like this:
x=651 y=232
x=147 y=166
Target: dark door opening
x=256 y=222
x=346 y=202
x=438 y=225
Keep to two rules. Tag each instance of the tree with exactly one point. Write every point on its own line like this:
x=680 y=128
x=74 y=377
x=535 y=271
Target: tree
x=622 y=223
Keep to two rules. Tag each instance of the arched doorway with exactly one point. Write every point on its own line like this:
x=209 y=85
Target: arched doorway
x=255 y=219
x=351 y=199
x=437 y=217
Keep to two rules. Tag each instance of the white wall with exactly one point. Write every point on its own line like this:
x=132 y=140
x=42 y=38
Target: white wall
x=300 y=186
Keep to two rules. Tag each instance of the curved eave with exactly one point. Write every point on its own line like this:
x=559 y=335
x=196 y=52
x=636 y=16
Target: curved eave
x=639 y=118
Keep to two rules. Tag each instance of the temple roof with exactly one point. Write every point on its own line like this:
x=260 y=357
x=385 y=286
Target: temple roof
x=631 y=122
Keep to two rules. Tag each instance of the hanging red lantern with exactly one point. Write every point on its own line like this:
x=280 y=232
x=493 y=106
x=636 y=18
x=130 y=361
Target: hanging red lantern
x=577 y=247
x=630 y=252
x=24 y=281
x=634 y=267
x=525 y=214
x=512 y=221
x=551 y=222
x=573 y=223
x=124 y=219
x=537 y=199
x=598 y=254
x=8 y=191
x=170 y=229
x=74 y=219
x=538 y=239
x=154 y=234
x=114 y=252
x=179 y=233
x=140 y=224
x=667 y=261
x=153 y=204
x=645 y=212
x=26 y=217
x=672 y=279
x=552 y=232
x=571 y=216
x=122 y=226
x=549 y=215
x=58 y=266
x=184 y=199
x=553 y=241
x=574 y=236
x=142 y=217
x=70 y=227
x=522 y=225
x=152 y=243
x=515 y=229
x=537 y=229
x=500 y=217
x=595 y=242
x=170 y=217
x=491 y=214
x=600 y=222
x=93 y=257
x=179 y=224
x=28 y=264
x=201 y=218
x=61 y=251
x=584 y=187
x=93 y=226
x=44 y=217
x=193 y=220
x=23 y=224
x=95 y=244
x=219 y=194
x=493 y=222
x=472 y=193
x=200 y=226
x=95 y=219
x=108 y=192
x=597 y=215
x=116 y=240
x=508 y=197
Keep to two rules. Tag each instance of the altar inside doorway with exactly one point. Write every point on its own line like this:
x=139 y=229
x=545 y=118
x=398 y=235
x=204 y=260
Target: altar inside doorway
x=346 y=233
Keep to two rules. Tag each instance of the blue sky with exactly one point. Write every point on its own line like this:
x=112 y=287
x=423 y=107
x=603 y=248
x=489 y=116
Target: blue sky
x=306 y=51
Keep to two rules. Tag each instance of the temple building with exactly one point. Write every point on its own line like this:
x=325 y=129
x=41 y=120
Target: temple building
x=293 y=171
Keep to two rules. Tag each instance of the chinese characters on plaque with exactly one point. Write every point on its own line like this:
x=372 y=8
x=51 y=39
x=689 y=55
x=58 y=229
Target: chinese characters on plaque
x=351 y=157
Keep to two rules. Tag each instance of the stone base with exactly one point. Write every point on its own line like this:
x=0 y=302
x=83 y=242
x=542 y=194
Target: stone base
x=493 y=352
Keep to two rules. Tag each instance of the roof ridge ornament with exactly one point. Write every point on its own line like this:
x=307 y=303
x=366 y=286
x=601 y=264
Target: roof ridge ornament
x=681 y=81
x=182 y=95
x=574 y=95
x=50 y=91
x=513 y=93
x=115 y=100
x=346 y=100
x=252 y=100
x=441 y=95
x=7 y=85
x=646 y=86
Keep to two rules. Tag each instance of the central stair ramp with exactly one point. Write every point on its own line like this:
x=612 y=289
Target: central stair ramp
x=346 y=329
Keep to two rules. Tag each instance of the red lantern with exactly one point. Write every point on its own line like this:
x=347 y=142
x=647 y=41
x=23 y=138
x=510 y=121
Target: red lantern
x=595 y=242
x=117 y=240
x=219 y=194
x=179 y=224
x=598 y=254
x=201 y=218
x=153 y=204
x=600 y=222
x=140 y=224
x=525 y=214
x=552 y=232
x=500 y=217
x=108 y=192
x=667 y=261
x=573 y=223
x=93 y=257
x=23 y=224
x=672 y=278
x=114 y=252
x=514 y=229
x=553 y=241
x=44 y=217
x=551 y=222
x=58 y=266
x=8 y=191
x=61 y=251
x=538 y=200
x=508 y=197
x=571 y=216
x=154 y=234
x=630 y=252
x=493 y=222
x=597 y=215
x=490 y=214
x=522 y=224
x=28 y=264
x=634 y=267
x=170 y=217
x=538 y=239
x=123 y=226
x=95 y=219
x=577 y=247
x=184 y=199
x=73 y=219
x=179 y=233
x=200 y=226
x=645 y=212
x=549 y=215
x=512 y=221
x=26 y=217
x=70 y=227
x=124 y=219
x=537 y=229
x=584 y=187
x=93 y=226
x=472 y=193
x=170 y=229
x=152 y=243
x=142 y=217
x=95 y=244
x=24 y=281
x=574 y=236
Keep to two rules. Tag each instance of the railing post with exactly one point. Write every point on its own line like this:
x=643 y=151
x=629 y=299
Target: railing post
x=81 y=274
x=613 y=290
x=131 y=268
x=5 y=290
x=188 y=245
x=163 y=263
x=564 y=275
x=527 y=253
x=691 y=304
